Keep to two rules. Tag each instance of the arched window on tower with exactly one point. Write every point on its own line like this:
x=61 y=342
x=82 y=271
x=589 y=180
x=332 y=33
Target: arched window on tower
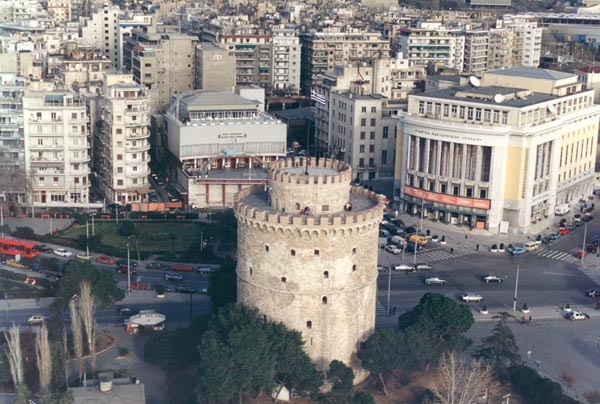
x=324 y=300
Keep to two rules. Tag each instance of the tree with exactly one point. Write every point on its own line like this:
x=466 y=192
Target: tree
x=76 y=336
x=222 y=285
x=363 y=398
x=50 y=263
x=43 y=358
x=126 y=228
x=341 y=378
x=24 y=232
x=461 y=381
x=87 y=308
x=500 y=348
x=379 y=353
x=104 y=286
x=14 y=354
x=536 y=389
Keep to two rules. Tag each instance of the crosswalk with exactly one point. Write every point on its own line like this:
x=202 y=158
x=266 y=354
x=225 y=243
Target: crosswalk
x=556 y=255
x=380 y=309
x=439 y=254
x=592 y=273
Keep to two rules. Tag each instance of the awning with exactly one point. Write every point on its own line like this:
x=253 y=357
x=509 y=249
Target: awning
x=143 y=191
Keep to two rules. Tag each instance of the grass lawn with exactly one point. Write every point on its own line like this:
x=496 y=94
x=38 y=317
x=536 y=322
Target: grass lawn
x=153 y=237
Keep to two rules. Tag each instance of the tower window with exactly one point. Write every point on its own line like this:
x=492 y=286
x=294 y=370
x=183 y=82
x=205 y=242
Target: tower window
x=267 y=248
x=325 y=208
x=316 y=252
x=324 y=300
x=309 y=324
x=293 y=253
x=326 y=274
x=250 y=271
x=265 y=318
x=353 y=267
x=354 y=250
x=283 y=279
x=297 y=206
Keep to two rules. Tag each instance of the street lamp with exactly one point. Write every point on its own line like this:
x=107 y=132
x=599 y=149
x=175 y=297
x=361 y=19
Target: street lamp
x=128 y=270
x=583 y=247
x=389 y=288
x=516 y=288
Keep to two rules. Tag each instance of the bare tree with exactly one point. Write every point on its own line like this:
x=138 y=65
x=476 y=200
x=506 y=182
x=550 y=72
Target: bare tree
x=44 y=358
x=15 y=354
x=87 y=308
x=76 y=332
x=462 y=381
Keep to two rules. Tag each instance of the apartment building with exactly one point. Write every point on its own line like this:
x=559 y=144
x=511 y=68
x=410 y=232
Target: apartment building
x=526 y=45
x=59 y=11
x=476 y=51
x=122 y=146
x=12 y=152
x=57 y=149
x=101 y=30
x=81 y=67
x=362 y=134
x=285 y=61
x=162 y=62
x=322 y=51
x=215 y=68
x=219 y=143
x=501 y=154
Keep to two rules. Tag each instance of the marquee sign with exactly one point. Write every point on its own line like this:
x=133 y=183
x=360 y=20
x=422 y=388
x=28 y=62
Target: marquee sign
x=447 y=199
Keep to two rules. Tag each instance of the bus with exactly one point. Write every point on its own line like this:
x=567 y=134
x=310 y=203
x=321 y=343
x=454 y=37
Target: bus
x=11 y=246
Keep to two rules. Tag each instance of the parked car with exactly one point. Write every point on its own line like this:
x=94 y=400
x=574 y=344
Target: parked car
x=492 y=278
x=61 y=252
x=126 y=311
x=181 y=267
x=381 y=268
x=592 y=292
x=4 y=259
x=104 y=259
x=205 y=270
x=423 y=267
x=36 y=320
x=186 y=289
x=156 y=265
x=43 y=248
x=563 y=231
x=554 y=236
x=419 y=239
x=160 y=286
x=393 y=249
x=83 y=257
x=435 y=281
x=123 y=262
x=592 y=248
x=410 y=247
x=516 y=250
x=410 y=230
x=30 y=280
x=36 y=268
x=576 y=315
x=171 y=276
x=123 y=270
x=403 y=267
x=471 y=297
x=139 y=286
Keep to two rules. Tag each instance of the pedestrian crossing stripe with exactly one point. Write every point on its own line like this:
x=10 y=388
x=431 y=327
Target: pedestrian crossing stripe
x=439 y=254
x=556 y=255
x=380 y=309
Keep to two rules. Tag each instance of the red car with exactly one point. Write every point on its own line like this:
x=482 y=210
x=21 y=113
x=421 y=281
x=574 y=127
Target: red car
x=563 y=231
x=103 y=259
x=123 y=270
x=580 y=253
x=139 y=286
x=182 y=267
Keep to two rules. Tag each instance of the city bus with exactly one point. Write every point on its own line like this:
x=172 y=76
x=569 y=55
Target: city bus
x=11 y=246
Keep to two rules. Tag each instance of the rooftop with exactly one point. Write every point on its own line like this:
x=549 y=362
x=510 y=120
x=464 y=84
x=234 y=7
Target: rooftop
x=486 y=95
x=532 y=72
x=213 y=98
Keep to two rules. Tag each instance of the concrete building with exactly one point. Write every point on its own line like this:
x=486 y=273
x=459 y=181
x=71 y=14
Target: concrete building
x=215 y=68
x=12 y=152
x=307 y=261
x=81 y=67
x=59 y=11
x=285 y=61
x=219 y=143
x=476 y=51
x=322 y=51
x=57 y=149
x=162 y=62
x=122 y=148
x=526 y=46
x=590 y=77
x=500 y=155
x=101 y=30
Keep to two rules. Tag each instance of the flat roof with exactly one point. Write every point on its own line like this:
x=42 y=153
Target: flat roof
x=213 y=98
x=532 y=72
x=470 y=94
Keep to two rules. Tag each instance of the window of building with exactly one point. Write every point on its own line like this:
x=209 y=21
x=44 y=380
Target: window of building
x=283 y=279
x=371 y=148
x=469 y=192
x=309 y=324
x=361 y=148
x=363 y=109
x=119 y=157
x=373 y=122
x=443 y=188
x=316 y=252
x=372 y=135
x=386 y=131
x=353 y=267
x=362 y=135
x=483 y=193
x=373 y=109
x=326 y=274
x=120 y=170
x=293 y=252
x=422 y=107
x=119 y=182
x=455 y=190
x=361 y=162
x=267 y=248
x=354 y=250
x=363 y=122
x=41 y=180
x=324 y=300
x=325 y=208
x=383 y=157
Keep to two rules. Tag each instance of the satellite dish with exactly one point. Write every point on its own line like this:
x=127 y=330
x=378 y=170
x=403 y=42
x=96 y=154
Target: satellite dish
x=552 y=109
x=474 y=81
x=498 y=98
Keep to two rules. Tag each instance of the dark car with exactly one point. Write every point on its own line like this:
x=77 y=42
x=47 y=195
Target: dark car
x=156 y=265
x=43 y=248
x=410 y=247
x=4 y=259
x=36 y=268
x=164 y=288
x=186 y=289
x=587 y=218
x=126 y=311
x=410 y=230
x=123 y=270
x=123 y=263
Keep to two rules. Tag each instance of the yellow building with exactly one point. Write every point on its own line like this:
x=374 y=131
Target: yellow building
x=501 y=151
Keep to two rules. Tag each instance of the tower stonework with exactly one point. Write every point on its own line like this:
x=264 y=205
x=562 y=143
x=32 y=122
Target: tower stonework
x=305 y=259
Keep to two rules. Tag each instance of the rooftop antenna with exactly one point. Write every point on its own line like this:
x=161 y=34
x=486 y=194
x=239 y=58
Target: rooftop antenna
x=474 y=81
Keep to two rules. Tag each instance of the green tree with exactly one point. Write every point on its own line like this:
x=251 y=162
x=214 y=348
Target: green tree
x=379 y=353
x=363 y=398
x=81 y=219
x=24 y=232
x=104 y=286
x=51 y=264
x=222 y=285
x=536 y=389
x=341 y=378
x=500 y=348
x=126 y=228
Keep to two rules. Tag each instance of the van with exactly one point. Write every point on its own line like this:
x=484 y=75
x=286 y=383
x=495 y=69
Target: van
x=531 y=246
x=562 y=209
x=417 y=238
x=398 y=240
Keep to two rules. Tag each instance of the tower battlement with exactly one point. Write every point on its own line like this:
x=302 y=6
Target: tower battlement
x=310 y=171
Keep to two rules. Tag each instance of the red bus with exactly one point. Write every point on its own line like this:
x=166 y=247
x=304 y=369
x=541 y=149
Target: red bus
x=11 y=246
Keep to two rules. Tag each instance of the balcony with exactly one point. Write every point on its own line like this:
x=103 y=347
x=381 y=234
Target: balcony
x=137 y=136
x=130 y=124
x=81 y=159
x=138 y=148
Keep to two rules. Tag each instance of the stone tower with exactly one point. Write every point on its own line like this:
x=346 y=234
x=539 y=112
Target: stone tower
x=308 y=261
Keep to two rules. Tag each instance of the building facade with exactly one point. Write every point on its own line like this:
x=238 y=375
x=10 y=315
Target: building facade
x=285 y=61
x=57 y=149
x=215 y=68
x=504 y=153
x=307 y=261
x=122 y=147
x=219 y=143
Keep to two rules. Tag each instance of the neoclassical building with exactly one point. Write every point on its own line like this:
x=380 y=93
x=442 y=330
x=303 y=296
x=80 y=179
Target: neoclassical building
x=502 y=151
x=306 y=260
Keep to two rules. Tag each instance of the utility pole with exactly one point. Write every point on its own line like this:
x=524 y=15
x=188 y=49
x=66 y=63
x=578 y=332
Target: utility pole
x=516 y=289
x=128 y=272
x=583 y=247
x=416 y=246
x=117 y=210
x=422 y=214
x=1 y=215
x=389 y=289
x=93 y=228
x=87 y=238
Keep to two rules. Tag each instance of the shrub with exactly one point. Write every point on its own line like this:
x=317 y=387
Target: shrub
x=24 y=232
x=502 y=246
x=126 y=228
x=363 y=398
x=593 y=397
x=81 y=218
x=536 y=389
x=443 y=238
x=494 y=246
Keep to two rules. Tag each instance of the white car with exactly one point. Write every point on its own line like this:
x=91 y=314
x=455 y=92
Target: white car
x=83 y=257
x=36 y=320
x=492 y=278
x=393 y=249
x=403 y=267
x=61 y=252
x=381 y=268
x=435 y=281
x=577 y=315
x=471 y=297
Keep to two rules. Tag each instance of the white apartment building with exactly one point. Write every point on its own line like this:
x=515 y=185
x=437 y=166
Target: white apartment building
x=499 y=155
x=285 y=60
x=526 y=45
x=476 y=51
x=57 y=149
x=432 y=42
x=101 y=30
x=363 y=134
x=122 y=146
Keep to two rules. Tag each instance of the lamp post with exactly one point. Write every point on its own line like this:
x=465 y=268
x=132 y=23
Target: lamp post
x=128 y=271
x=93 y=227
x=87 y=238
x=422 y=214
x=516 y=288
x=389 y=288
x=415 y=247
x=583 y=247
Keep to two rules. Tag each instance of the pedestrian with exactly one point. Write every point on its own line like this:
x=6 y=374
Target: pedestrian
x=477 y=247
x=537 y=364
x=530 y=320
x=394 y=309
x=451 y=250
